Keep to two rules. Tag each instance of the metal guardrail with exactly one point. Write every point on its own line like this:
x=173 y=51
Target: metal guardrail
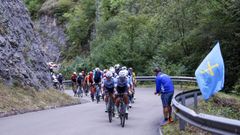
x=213 y=124
x=174 y=78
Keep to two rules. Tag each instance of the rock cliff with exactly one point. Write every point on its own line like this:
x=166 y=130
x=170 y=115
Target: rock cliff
x=22 y=59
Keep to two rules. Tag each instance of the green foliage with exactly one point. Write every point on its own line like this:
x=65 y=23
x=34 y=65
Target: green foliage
x=77 y=65
x=63 y=7
x=34 y=6
x=80 y=22
x=237 y=87
x=175 y=35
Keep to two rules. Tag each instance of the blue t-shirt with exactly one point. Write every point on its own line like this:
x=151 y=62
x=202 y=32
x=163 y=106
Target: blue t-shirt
x=164 y=83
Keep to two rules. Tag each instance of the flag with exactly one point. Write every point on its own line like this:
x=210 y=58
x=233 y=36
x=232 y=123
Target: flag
x=210 y=73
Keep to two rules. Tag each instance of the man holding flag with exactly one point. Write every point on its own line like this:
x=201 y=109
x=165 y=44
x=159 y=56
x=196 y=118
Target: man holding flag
x=210 y=73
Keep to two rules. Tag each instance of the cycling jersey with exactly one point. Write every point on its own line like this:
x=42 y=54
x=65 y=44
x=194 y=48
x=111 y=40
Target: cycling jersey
x=108 y=85
x=122 y=85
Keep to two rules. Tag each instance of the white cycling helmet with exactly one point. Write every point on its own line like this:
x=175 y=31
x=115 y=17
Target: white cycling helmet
x=97 y=69
x=124 y=68
x=116 y=66
x=80 y=74
x=112 y=69
x=105 y=70
x=122 y=74
x=109 y=74
x=126 y=72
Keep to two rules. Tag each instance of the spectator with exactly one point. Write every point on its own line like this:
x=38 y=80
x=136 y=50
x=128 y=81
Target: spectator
x=165 y=88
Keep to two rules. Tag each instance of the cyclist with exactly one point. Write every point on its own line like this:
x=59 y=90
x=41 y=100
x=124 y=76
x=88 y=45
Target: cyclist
x=102 y=81
x=108 y=88
x=79 y=84
x=60 y=80
x=97 y=82
x=74 y=83
x=88 y=81
x=131 y=77
x=117 y=68
x=55 y=81
x=122 y=87
x=90 y=85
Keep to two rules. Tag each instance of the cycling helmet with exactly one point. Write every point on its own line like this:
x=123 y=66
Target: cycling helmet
x=124 y=68
x=90 y=73
x=112 y=69
x=80 y=74
x=109 y=74
x=117 y=66
x=105 y=71
x=97 y=69
x=122 y=74
x=74 y=73
x=126 y=72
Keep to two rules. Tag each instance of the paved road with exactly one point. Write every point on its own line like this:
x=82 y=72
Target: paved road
x=88 y=119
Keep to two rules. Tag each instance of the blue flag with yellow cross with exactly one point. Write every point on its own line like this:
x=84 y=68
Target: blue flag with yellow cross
x=210 y=73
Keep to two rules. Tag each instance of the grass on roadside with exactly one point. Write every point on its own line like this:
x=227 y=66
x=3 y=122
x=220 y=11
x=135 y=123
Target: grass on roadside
x=173 y=129
x=15 y=99
x=223 y=105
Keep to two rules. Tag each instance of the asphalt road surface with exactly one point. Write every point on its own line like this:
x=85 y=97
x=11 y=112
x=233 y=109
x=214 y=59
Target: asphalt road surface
x=89 y=119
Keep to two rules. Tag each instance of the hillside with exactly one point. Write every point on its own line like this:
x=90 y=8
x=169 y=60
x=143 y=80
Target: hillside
x=176 y=35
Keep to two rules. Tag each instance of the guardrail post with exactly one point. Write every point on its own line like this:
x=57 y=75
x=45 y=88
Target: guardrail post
x=181 y=85
x=195 y=100
x=182 y=124
x=183 y=99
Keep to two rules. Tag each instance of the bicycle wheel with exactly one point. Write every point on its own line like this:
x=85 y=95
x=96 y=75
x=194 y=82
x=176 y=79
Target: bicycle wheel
x=122 y=114
x=110 y=111
x=98 y=98
x=97 y=94
x=110 y=115
x=123 y=120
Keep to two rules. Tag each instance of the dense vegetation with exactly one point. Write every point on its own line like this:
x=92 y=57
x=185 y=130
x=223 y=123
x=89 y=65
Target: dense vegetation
x=34 y=6
x=175 y=34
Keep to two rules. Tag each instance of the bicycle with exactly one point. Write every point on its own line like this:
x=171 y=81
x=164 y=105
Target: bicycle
x=55 y=85
x=92 y=92
x=86 y=89
x=110 y=108
x=61 y=87
x=97 y=92
x=80 y=91
x=122 y=110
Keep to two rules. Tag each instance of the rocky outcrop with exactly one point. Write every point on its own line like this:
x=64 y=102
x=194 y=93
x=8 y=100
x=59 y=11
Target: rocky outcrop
x=22 y=60
x=52 y=36
x=51 y=32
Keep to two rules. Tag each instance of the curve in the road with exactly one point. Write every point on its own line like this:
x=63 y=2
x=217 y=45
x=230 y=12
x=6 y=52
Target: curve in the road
x=89 y=118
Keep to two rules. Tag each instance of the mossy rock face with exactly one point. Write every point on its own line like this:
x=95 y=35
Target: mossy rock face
x=3 y=22
x=2 y=30
x=52 y=7
x=49 y=6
